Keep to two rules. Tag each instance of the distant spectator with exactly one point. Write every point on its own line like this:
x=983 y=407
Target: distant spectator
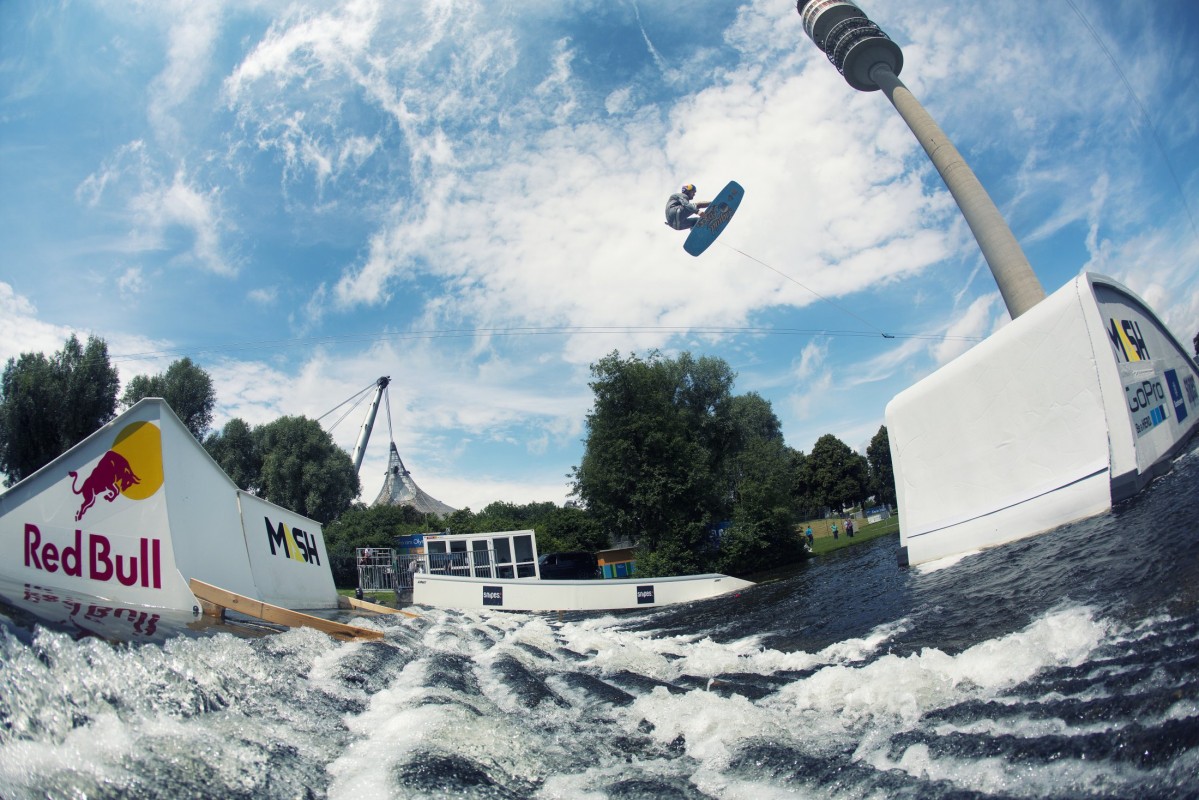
x=834 y=527
x=808 y=533
x=849 y=527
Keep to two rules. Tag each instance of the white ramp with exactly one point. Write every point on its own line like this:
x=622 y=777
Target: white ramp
x=138 y=509
x=1076 y=404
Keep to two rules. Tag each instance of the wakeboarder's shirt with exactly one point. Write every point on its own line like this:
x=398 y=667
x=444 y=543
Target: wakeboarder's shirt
x=679 y=200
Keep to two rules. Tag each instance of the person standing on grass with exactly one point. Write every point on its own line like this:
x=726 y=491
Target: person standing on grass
x=808 y=533
x=834 y=530
x=849 y=527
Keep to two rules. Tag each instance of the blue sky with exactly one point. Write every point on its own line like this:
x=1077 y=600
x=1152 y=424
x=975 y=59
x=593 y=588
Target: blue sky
x=467 y=197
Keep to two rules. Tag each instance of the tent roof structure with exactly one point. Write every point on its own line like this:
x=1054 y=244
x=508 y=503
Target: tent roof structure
x=401 y=490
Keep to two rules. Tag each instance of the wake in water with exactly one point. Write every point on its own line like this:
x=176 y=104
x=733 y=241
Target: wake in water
x=526 y=707
x=519 y=706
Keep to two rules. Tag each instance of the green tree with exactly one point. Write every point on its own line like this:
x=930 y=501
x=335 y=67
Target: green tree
x=236 y=451
x=29 y=433
x=504 y=516
x=569 y=529
x=882 y=475
x=763 y=516
x=656 y=439
x=304 y=470
x=462 y=521
x=48 y=405
x=88 y=384
x=372 y=526
x=803 y=495
x=837 y=474
x=670 y=452
x=186 y=388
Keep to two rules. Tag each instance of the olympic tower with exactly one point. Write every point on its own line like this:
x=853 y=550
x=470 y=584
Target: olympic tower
x=869 y=60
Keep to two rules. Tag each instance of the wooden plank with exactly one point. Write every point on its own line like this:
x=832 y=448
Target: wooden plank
x=366 y=605
x=225 y=599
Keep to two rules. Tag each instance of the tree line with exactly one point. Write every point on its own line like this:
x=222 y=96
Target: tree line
x=697 y=477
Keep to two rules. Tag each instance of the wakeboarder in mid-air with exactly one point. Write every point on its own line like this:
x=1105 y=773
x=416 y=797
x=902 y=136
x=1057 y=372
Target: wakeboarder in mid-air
x=681 y=210
x=683 y=213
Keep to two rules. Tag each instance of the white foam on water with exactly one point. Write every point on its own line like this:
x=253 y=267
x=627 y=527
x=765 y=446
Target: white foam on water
x=95 y=751
x=851 y=697
x=396 y=726
x=325 y=672
x=386 y=734
x=928 y=567
x=713 y=726
x=582 y=785
x=668 y=657
x=844 y=704
x=86 y=714
x=1064 y=777
x=529 y=742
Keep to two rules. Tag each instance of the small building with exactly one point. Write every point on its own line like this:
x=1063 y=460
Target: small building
x=618 y=562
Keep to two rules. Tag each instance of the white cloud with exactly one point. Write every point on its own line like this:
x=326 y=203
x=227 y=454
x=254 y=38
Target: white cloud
x=193 y=31
x=131 y=283
x=160 y=208
x=975 y=323
x=264 y=296
x=20 y=329
x=128 y=159
x=482 y=168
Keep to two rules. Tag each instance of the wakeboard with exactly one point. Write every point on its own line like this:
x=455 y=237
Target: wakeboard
x=714 y=219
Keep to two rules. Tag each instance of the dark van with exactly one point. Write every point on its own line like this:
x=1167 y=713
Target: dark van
x=568 y=566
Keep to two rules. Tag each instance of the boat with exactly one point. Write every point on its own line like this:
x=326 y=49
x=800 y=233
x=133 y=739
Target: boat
x=502 y=570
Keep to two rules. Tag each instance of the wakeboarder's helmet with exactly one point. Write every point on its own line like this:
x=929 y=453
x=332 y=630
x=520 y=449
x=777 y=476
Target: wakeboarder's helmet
x=689 y=189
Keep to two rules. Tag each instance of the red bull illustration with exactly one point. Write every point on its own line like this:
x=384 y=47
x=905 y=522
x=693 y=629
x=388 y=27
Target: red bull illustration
x=110 y=477
x=115 y=475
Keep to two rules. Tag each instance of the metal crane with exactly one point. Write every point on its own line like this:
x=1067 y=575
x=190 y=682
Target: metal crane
x=364 y=435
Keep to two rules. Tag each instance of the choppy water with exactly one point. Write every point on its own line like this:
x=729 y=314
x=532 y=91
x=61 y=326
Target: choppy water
x=1063 y=666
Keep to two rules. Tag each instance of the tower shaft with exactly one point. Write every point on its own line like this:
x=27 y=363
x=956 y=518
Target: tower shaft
x=1018 y=284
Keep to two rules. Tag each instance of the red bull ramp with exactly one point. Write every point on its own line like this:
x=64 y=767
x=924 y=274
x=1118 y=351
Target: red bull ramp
x=138 y=510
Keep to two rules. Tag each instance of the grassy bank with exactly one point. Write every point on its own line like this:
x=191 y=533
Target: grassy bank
x=825 y=543
x=382 y=598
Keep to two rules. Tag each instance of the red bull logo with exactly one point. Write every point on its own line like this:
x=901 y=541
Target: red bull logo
x=109 y=478
x=95 y=559
x=132 y=468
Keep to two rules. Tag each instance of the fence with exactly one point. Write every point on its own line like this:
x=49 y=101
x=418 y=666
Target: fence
x=376 y=569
